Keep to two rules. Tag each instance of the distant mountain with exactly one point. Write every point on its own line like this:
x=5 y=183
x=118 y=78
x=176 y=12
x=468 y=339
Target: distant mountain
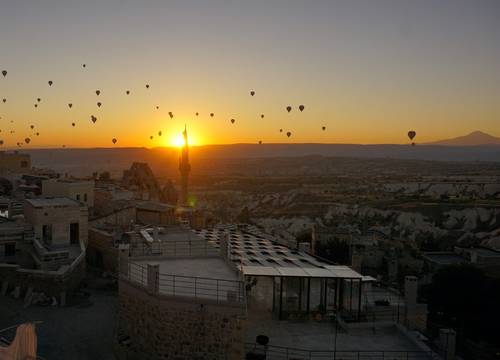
x=476 y=138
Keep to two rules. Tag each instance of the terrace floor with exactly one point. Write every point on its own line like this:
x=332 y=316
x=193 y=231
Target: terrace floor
x=312 y=335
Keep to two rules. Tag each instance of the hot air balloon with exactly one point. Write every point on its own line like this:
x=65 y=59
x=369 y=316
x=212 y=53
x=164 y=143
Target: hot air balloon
x=151 y=137
x=50 y=82
x=127 y=92
x=114 y=141
x=36 y=105
x=288 y=134
x=4 y=73
x=99 y=104
x=1 y=142
x=281 y=130
x=27 y=140
x=211 y=114
x=262 y=116
x=411 y=134
x=197 y=114
x=70 y=105
x=301 y=107
x=73 y=124
x=157 y=107
x=289 y=108
x=232 y=121
x=98 y=92
x=260 y=142
x=252 y=93
x=84 y=65
x=323 y=128
x=147 y=86
x=4 y=100
x=32 y=127
x=170 y=114
x=38 y=99
x=37 y=134
x=93 y=118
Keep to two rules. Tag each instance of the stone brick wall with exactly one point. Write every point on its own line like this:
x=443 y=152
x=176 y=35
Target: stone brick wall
x=101 y=251
x=179 y=329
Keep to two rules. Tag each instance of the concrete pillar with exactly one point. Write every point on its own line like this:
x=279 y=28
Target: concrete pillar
x=411 y=286
x=153 y=279
x=62 y=301
x=392 y=270
x=5 y=286
x=447 y=339
x=356 y=261
x=123 y=255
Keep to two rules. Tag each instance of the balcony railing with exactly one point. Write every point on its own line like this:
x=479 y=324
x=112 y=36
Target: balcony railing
x=173 y=248
x=255 y=351
x=214 y=290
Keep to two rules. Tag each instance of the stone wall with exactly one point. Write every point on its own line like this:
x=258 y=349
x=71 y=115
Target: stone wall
x=101 y=251
x=178 y=329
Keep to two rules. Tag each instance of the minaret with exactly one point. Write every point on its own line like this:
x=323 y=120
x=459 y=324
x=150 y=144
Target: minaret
x=184 y=168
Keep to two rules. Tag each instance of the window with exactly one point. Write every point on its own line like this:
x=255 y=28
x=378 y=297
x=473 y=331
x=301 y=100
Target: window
x=10 y=249
x=74 y=233
x=78 y=197
x=47 y=233
x=85 y=197
x=24 y=164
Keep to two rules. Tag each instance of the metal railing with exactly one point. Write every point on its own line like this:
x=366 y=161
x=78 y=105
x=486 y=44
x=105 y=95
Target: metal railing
x=173 y=248
x=215 y=290
x=286 y=353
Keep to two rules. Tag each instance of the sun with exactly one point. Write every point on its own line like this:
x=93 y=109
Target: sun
x=177 y=140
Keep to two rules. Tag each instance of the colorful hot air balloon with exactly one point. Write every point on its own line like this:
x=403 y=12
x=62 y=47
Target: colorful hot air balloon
x=288 y=134
x=50 y=82
x=98 y=92
x=27 y=140
x=252 y=93
x=301 y=107
x=288 y=108
x=4 y=73
x=93 y=118
x=114 y=141
x=99 y=104
x=232 y=121
x=70 y=105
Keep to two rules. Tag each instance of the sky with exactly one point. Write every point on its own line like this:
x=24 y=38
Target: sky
x=367 y=70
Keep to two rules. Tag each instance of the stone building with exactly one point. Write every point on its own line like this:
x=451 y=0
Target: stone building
x=179 y=298
x=14 y=162
x=79 y=190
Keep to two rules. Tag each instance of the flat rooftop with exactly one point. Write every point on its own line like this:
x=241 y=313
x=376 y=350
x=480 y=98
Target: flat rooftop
x=320 y=336
x=48 y=202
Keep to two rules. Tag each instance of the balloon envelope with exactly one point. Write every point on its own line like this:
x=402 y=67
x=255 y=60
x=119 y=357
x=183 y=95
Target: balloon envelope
x=288 y=134
x=411 y=134
x=301 y=107
x=288 y=108
x=4 y=73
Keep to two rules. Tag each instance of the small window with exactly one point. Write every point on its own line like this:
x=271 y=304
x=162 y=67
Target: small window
x=74 y=233
x=85 y=197
x=10 y=249
x=24 y=164
x=78 y=197
x=47 y=233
